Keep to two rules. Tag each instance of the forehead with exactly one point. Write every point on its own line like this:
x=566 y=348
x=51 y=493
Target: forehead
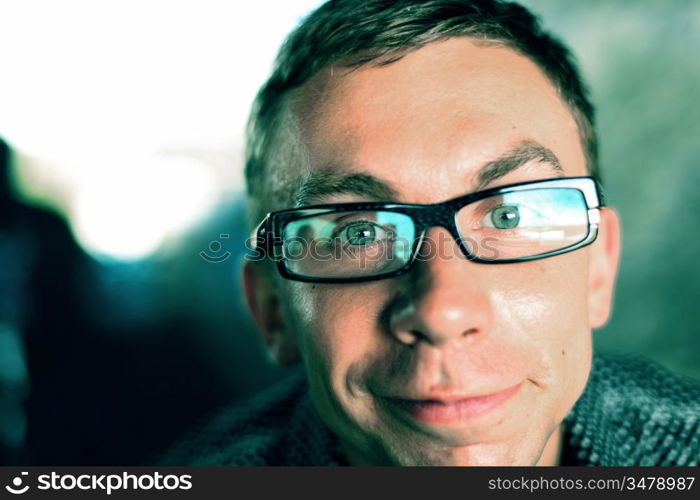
x=426 y=123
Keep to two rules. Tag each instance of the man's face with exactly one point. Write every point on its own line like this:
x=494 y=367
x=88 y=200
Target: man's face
x=398 y=367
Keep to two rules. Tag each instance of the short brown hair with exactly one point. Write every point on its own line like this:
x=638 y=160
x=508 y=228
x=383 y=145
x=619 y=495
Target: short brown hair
x=360 y=32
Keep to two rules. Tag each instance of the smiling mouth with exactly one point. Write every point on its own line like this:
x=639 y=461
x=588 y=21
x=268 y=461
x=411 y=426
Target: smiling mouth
x=438 y=412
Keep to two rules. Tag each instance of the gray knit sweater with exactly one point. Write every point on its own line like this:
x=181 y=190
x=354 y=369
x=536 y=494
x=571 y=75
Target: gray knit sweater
x=632 y=412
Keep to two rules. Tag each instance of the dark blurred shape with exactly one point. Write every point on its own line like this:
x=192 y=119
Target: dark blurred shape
x=15 y=261
x=106 y=363
x=45 y=379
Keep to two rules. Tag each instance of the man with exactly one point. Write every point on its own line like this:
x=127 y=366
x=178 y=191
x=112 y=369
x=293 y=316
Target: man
x=434 y=249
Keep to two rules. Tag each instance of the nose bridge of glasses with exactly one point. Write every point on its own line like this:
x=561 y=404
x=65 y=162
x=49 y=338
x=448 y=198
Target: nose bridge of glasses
x=441 y=215
x=428 y=247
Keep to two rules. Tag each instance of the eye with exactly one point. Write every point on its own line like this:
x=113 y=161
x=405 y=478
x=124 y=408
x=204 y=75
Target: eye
x=360 y=233
x=502 y=217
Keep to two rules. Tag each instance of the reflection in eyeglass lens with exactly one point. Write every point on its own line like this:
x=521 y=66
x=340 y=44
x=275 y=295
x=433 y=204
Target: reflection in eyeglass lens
x=524 y=223
x=348 y=244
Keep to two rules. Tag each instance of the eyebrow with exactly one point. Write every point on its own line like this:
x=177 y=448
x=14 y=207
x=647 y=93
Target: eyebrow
x=334 y=180
x=330 y=181
x=525 y=152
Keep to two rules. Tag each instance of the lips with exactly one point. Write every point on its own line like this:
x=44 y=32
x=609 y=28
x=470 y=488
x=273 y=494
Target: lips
x=451 y=411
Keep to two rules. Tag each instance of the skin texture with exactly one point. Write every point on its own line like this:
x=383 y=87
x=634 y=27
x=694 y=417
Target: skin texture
x=450 y=328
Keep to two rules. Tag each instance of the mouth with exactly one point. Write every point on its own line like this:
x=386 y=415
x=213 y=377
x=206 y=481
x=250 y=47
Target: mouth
x=443 y=412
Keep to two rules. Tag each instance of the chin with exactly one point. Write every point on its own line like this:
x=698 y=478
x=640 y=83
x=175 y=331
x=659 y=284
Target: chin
x=474 y=456
x=418 y=449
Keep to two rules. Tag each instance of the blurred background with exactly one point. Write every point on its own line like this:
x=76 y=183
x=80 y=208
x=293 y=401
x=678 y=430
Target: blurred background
x=121 y=214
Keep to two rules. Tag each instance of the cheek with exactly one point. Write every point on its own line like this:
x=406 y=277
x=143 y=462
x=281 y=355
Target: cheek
x=546 y=309
x=337 y=335
x=546 y=298
x=336 y=326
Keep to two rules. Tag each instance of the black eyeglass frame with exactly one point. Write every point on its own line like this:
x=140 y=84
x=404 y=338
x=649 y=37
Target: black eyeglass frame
x=268 y=242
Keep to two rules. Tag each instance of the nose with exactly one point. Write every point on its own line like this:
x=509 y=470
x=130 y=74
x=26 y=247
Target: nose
x=444 y=299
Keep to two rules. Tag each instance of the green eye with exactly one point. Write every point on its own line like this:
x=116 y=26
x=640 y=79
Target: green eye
x=505 y=217
x=359 y=233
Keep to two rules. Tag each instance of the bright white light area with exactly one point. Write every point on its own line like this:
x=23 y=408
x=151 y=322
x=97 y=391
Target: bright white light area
x=93 y=91
x=129 y=210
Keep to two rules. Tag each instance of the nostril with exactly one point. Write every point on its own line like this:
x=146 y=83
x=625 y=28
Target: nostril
x=471 y=331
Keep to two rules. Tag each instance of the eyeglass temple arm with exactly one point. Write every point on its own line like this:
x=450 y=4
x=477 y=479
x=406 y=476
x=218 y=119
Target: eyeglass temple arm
x=259 y=236
x=601 y=195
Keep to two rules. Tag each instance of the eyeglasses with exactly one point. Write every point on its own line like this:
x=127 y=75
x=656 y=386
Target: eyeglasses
x=363 y=241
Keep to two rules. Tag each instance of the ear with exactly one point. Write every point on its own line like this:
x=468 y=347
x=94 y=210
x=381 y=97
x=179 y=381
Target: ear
x=603 y=265
x=264 y=305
